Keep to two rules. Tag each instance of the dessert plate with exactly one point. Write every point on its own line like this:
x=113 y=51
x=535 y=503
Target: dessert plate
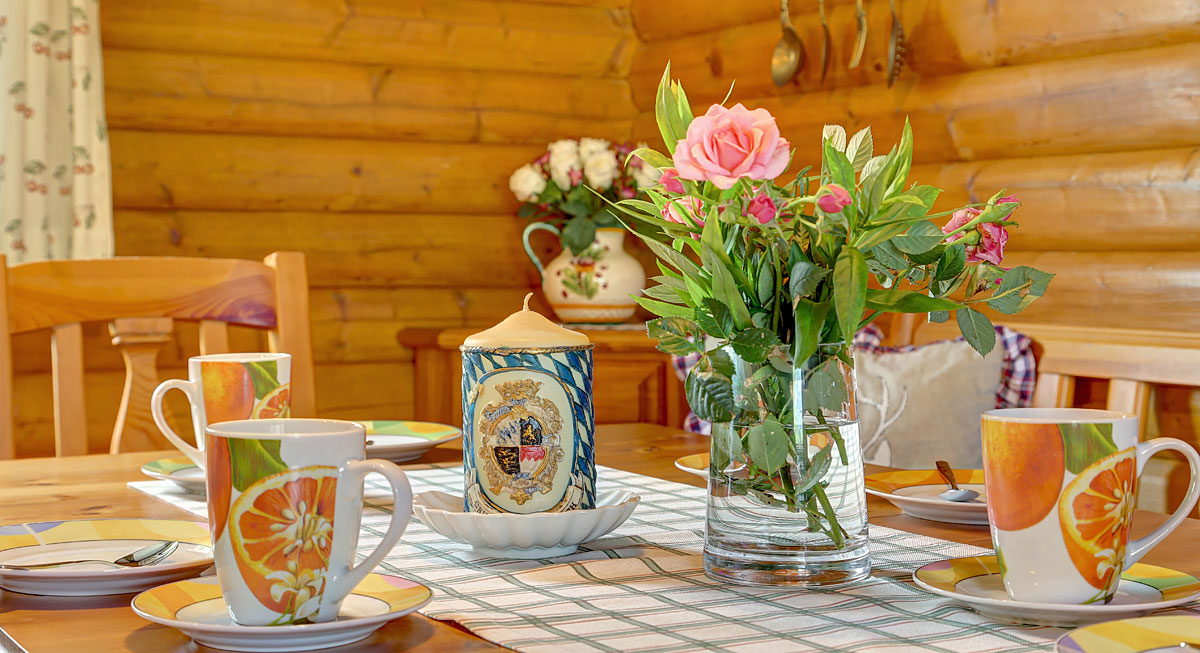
x=539 y=535
x=197 y=609
x=915 y=491
x=101 y=539
x=1171 y=632
x=395 y=440
x=695 y=464
x=976 y=582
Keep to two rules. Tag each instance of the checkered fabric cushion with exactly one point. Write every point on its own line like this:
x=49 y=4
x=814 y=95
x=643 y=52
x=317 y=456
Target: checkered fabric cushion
x=642 y=587
x=1015 y=389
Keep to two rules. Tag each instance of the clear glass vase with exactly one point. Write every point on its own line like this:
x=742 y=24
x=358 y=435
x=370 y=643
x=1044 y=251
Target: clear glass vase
x=786 y=500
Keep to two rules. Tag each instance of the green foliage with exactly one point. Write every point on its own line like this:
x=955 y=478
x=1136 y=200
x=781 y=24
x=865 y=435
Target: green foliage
x=709 y=395
x=849 y=290
x=674 y=335
x=977 y=329
x=1019 y=287
x=768 y=444
x=907 y=301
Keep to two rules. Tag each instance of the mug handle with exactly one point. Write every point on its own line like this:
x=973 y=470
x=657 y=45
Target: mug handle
x=534 y=226
x=156 y=409
x=342 y=578
x=1139 y=547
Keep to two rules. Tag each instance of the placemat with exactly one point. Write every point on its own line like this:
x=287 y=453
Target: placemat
x=643 y=588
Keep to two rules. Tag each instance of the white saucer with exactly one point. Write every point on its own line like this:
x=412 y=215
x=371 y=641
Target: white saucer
x=540 y=535
x=401 y=441
x=976 y=582
x=181 y=471
x=915 y=492
x=197 y=609
x=102 y=539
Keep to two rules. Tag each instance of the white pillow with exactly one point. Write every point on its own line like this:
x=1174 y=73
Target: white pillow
x=918 y=406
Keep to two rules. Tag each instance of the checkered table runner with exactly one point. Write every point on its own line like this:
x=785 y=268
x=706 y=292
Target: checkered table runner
x=643 y=588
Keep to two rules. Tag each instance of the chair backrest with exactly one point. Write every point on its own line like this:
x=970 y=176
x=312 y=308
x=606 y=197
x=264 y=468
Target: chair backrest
x=1133 y=361
x=140 y=297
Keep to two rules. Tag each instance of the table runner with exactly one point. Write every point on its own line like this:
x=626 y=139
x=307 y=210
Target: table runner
x=643 y=587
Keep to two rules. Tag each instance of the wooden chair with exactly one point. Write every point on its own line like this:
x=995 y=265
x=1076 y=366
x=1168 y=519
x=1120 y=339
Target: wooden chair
x=1133 y=361
x=140 y=297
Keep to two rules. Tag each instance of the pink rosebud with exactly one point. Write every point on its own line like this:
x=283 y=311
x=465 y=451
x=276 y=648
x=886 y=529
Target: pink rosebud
x=543 y=159
x=685 y=211
x=626 y=192
x=836 y=199
x=762 y=208
x=958 y=219
x=1008 y=199
x=992 y=235
x=576 y=176
x=725 y=145
x=670 y=181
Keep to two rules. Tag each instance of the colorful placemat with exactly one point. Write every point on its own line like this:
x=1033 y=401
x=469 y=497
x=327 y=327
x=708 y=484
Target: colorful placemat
x=643 y=588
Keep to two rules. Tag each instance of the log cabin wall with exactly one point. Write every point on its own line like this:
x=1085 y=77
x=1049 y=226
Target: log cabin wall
x=375 y=136
x=1089 y=112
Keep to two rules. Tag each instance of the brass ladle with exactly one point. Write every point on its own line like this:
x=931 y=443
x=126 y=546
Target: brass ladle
x=826 y=38
x=860 y=39
x=788 y=57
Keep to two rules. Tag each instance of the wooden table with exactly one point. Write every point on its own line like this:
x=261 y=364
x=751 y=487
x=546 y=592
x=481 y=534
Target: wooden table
x=94 y=486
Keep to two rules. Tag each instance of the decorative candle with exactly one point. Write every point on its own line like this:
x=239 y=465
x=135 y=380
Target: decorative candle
x=528 y=421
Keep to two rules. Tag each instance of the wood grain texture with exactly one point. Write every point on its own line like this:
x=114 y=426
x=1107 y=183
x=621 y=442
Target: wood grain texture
x=34 y=490
x=293 y=333
x=66 y=352
x=473 y=34
x=139 y=340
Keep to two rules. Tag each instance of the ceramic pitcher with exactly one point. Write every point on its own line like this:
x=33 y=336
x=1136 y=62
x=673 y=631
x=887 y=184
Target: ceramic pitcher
x=595 y=286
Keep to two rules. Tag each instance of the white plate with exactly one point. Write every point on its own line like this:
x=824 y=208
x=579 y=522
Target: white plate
x=539 y=535
x=103 y=539
x=915 y=492
x=976 y=582
x=197 y=609
x=181 y=471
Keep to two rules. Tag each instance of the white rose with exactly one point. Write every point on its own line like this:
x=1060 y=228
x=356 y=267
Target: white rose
x=600 y=169
x=644 y=174
x=564 y=157
x=590 y=146
x=527 y=182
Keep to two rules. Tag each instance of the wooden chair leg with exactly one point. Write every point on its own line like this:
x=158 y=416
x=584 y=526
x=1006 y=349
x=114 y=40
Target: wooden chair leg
x=139 y=340
x=1053 y=390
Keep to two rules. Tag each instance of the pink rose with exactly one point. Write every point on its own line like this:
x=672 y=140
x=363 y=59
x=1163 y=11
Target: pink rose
x=762 y=208
x=835 y=200
x=992 y=235
x=685 y=211
x=576 y=176
x=670 y=181
x=725 y=145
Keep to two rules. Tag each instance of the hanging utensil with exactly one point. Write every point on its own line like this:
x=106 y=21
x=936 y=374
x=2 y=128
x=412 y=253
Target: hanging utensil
x=825 y=39
x=860 y=39
x=897 y=48
x=788 y=57
x=954 y=493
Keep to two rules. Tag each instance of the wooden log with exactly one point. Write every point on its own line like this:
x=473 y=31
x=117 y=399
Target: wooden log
x=159 y=170
x=469 y=34
x=207 y=93
x=721 y=41
x=1122 y=201
x=1120 y=101
x=350 y=249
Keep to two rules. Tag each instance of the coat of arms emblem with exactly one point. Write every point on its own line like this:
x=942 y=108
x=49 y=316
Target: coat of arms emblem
x=521 y=442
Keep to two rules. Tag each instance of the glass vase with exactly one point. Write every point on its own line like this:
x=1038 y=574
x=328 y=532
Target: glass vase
x=786 y=500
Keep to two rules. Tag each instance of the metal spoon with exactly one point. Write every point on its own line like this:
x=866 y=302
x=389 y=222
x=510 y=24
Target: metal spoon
x=825 y=39
x=143 y=557
x=788 y=57
x=954 y=493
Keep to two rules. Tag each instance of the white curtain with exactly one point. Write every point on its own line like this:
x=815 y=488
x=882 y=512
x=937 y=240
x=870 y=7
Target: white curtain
x=55 y=179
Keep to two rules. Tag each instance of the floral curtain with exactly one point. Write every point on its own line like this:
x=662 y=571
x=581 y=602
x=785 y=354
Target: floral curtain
x=55 y=182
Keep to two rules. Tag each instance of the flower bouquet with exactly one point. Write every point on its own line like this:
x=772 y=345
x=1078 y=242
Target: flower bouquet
x=767 y=279
x=568 y=190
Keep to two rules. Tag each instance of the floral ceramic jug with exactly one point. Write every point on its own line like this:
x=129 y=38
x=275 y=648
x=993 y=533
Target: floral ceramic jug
x=595 y=286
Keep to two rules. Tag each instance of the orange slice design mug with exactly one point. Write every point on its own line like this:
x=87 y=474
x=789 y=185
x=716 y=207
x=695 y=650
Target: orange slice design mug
x=1061 y=488
x=285 y=508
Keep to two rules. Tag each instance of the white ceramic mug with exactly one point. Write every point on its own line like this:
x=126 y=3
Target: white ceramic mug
x=225 y=387
x=285 y=501
x=1061 y=490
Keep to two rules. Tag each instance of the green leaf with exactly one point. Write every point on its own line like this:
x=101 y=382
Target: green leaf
x=860 y=148
x=664 y=293
x=766 y=282
x=709 y=395
x=834 y=135
x=849 y=289
x=816 y=471
x=804 y=279
x=527 y=211
x=841 y=171
x=925 y=258
x=253 y=460
x=920 y=238
x=872 y=168
x=576 y=208
x=662 y=308
x=672 y=257
x=1084 y=444
x=264 y=375
x=579 y=234
x=887 y=254
x=1020 y=300
x=651 y=157
x=715 y=318
x=767 y=443
x=754 y=344
x=721 y=363
x=665 y=110
x=907 y=301
x=825 y=387
x=904 y=155
x=937 y=317
x=977 y=329
x=952 y=263
x=672 y=334
x=725 y=288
